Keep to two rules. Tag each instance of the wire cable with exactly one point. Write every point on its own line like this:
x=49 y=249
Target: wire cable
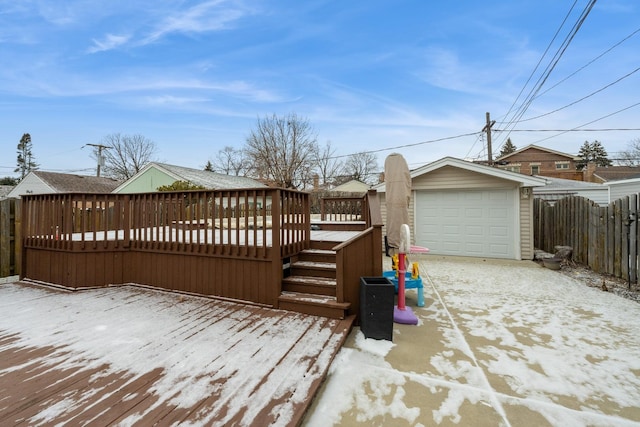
x=583 y=98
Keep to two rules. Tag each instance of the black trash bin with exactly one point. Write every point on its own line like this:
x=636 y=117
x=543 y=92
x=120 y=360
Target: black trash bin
x=377 y=296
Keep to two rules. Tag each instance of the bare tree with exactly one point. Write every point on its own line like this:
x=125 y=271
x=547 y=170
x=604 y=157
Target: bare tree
x=230 y=161
x=126 y=155
x=282 y=149
x=362 y=167
x=328 y=166
x=631 y=156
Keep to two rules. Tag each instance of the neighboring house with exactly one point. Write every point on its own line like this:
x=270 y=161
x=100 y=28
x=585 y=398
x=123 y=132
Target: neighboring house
x=601 y=174
x=558 y=188
x=353 y=186
x=156 y=175
x=39 y=182
x=467 y=209
x=623 y=187
x=534 y=160
x=5 y=190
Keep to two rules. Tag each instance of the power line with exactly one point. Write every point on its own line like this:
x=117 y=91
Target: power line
x=550 y=67
x=574 y=130
x=583 y=98
x=588 y=123
x=541 y=58
x=447 y=138
x=590 y=62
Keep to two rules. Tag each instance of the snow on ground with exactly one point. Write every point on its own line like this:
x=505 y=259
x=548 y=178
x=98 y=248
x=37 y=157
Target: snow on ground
x=498 y=343
x=203 y=347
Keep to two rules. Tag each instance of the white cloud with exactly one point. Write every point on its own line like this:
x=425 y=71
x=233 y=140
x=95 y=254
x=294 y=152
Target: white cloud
x=110 y=41
x=205 y=17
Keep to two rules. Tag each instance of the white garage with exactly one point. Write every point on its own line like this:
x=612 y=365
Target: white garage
x=468 y=209
x=477 y=223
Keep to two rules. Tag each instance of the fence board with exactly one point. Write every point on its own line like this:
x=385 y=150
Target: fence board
x=10 y=253
x=603 y=238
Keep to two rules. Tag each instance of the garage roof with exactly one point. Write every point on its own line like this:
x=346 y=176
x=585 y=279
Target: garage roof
x=521 y=179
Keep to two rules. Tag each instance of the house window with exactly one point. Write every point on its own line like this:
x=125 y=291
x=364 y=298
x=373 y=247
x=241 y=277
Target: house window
x=535 y=169
x=562 y=165
x=513 y=168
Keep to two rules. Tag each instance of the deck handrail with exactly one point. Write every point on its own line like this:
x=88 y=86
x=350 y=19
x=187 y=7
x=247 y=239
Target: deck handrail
x=237 y=222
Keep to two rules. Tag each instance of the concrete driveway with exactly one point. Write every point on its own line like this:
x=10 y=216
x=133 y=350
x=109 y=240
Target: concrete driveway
x=499 y=343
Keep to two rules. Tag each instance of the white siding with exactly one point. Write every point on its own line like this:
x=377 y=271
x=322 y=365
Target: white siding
x=618 y=190
x=31 y=184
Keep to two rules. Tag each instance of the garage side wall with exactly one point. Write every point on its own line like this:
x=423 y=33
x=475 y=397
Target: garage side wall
x=526 y=224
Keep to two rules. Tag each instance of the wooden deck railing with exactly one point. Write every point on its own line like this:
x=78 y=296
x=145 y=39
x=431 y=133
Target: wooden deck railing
x=227 y=222
x=337 y=209
x=360 y=256
x=97 y=239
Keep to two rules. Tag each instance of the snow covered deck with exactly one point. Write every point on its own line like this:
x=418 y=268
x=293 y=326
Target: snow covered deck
x=130 y=355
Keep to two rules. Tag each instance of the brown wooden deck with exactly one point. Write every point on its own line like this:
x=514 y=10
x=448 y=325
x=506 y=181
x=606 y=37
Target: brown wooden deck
x=253 y=241
x=130 y=355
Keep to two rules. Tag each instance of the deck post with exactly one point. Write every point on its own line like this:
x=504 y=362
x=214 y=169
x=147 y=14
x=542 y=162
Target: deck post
x=276 y=256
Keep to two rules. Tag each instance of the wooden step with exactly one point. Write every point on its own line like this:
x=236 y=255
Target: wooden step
x=317 y=255
x=324 y=244
x=310 y=285
x=317 y=305
x=315 y=269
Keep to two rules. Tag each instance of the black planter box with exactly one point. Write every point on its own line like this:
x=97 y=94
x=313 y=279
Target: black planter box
x=377 y=295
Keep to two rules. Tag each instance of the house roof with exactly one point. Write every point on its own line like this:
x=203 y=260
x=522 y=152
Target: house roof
x=548 y=150
x=568 y=184
x=521 y=179
x=352 y=186
x=615 y=173
x=206 y=179
x=70 y=183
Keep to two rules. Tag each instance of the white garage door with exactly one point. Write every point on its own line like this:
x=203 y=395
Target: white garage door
x=467 y=223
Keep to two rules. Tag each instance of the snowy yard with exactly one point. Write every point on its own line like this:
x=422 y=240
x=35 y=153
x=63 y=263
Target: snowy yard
x=499 y=343
x=125 y=354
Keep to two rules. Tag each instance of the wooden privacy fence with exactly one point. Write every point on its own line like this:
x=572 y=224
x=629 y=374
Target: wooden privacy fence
x=10 y=248
x=603 y=237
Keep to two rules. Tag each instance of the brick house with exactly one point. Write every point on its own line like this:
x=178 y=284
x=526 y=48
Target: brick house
x=535 y=160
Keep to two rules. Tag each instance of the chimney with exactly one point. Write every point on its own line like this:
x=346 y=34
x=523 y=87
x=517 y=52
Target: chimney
x=316 y=182
x=588 y=172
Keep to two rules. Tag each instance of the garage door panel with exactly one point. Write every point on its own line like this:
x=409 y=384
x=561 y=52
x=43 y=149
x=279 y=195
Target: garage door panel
x=474 y=249
x=498 y=231
x=499 y=251
x=473 y=213
x=498 y=213
x=468 y=223
x=472 y=231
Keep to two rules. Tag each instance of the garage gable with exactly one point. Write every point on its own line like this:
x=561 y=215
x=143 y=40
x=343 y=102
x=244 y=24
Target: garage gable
x=453 y=177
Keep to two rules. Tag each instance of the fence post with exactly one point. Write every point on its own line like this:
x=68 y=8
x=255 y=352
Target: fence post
x=6 y=233
x=10 y=237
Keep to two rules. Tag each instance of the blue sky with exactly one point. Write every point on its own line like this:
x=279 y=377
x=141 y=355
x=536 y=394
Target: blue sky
x=194 y=76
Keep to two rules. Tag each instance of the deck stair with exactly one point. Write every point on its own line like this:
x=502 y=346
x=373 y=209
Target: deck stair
x=310 y=286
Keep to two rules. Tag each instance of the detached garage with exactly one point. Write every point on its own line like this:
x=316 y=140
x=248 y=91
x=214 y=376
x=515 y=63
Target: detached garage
x=466 y=209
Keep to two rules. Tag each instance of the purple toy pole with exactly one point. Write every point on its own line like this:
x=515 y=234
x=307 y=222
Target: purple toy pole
x=402 y=313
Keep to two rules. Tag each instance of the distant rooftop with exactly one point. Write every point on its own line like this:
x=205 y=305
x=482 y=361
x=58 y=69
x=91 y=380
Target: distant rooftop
x=70 y=183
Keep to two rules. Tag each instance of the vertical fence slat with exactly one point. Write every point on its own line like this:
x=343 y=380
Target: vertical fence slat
x=606 y=238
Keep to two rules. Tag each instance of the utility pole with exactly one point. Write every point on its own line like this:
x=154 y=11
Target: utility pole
x=101 y=147
x=487 y=129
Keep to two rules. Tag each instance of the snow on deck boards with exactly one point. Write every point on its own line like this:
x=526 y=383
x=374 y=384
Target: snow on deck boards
x=125 y=355
x=333 y=236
